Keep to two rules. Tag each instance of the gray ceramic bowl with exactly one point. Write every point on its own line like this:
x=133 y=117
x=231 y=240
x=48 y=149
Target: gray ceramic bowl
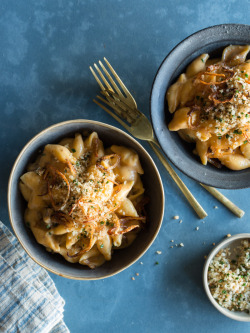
x=121 y=259
x=211 y=40
x=231 y=242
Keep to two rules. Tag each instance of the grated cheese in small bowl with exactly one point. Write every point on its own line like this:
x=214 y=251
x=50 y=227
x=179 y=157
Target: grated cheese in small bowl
x=226 y=277
x=229 y=279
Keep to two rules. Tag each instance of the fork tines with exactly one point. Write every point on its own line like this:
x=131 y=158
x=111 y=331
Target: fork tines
x=120 y=100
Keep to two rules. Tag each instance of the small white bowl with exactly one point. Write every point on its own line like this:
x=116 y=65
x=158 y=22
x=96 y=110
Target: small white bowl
x=230 y=242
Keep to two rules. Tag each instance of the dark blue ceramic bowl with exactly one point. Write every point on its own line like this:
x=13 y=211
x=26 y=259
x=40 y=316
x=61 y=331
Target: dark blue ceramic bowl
x=211 y=40
x=121 y=259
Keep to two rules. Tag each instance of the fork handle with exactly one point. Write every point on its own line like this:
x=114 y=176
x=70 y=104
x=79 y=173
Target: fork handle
x=226 y=202
x=189 y=196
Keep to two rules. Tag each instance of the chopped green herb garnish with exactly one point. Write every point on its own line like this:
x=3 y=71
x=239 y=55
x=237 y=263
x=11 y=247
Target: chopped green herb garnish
x=73 y=150
x=237 y=132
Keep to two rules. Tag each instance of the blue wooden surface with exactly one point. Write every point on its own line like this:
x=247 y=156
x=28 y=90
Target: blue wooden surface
x=46 y=48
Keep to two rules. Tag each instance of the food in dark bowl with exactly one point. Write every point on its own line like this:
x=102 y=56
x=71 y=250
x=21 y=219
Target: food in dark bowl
x=203 y=97
x=60 y=176
x=84 y=200
x=210 y=103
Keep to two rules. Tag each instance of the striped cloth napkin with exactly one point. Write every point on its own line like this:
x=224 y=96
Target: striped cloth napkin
x=29 y=300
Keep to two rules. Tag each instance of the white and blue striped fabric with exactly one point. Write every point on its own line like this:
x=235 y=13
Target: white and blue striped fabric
x=29 y=300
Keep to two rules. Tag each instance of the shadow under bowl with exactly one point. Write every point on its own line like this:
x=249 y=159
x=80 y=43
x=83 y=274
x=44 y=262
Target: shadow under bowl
x=121 y=259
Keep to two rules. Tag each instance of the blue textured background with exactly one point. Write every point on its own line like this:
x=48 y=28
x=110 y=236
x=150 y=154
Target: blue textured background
x=46 y=47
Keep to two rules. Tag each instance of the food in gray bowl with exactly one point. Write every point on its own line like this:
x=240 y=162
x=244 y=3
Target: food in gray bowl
x=212 y=41
x=52 y=179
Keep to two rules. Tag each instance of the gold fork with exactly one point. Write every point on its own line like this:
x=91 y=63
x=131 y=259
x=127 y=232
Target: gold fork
x=125 y=107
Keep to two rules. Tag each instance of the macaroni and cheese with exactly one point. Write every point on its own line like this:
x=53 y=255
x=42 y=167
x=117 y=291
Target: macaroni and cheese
x=84 y=200
x=211 y=106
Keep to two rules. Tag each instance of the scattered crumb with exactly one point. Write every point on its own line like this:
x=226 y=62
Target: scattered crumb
x=172 y=241
x=180 y=221
x=197 y=228
x=137 y=274
x=205 y=257
x=176 y=217
x=158 y=252
x=229 y=235
x=213 y=244
x=133 y=278
x=171 y=247
x=181 y=244
x=141 y=263
x=216 y=207
x=203 y=221
x=176 y=244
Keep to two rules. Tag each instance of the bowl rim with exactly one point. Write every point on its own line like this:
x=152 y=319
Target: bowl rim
x=219 y=246
x=152 y=93
x=84 y=121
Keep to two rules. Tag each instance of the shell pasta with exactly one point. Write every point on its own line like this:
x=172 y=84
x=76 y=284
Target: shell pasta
x=84 y=201
x=210 y=103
